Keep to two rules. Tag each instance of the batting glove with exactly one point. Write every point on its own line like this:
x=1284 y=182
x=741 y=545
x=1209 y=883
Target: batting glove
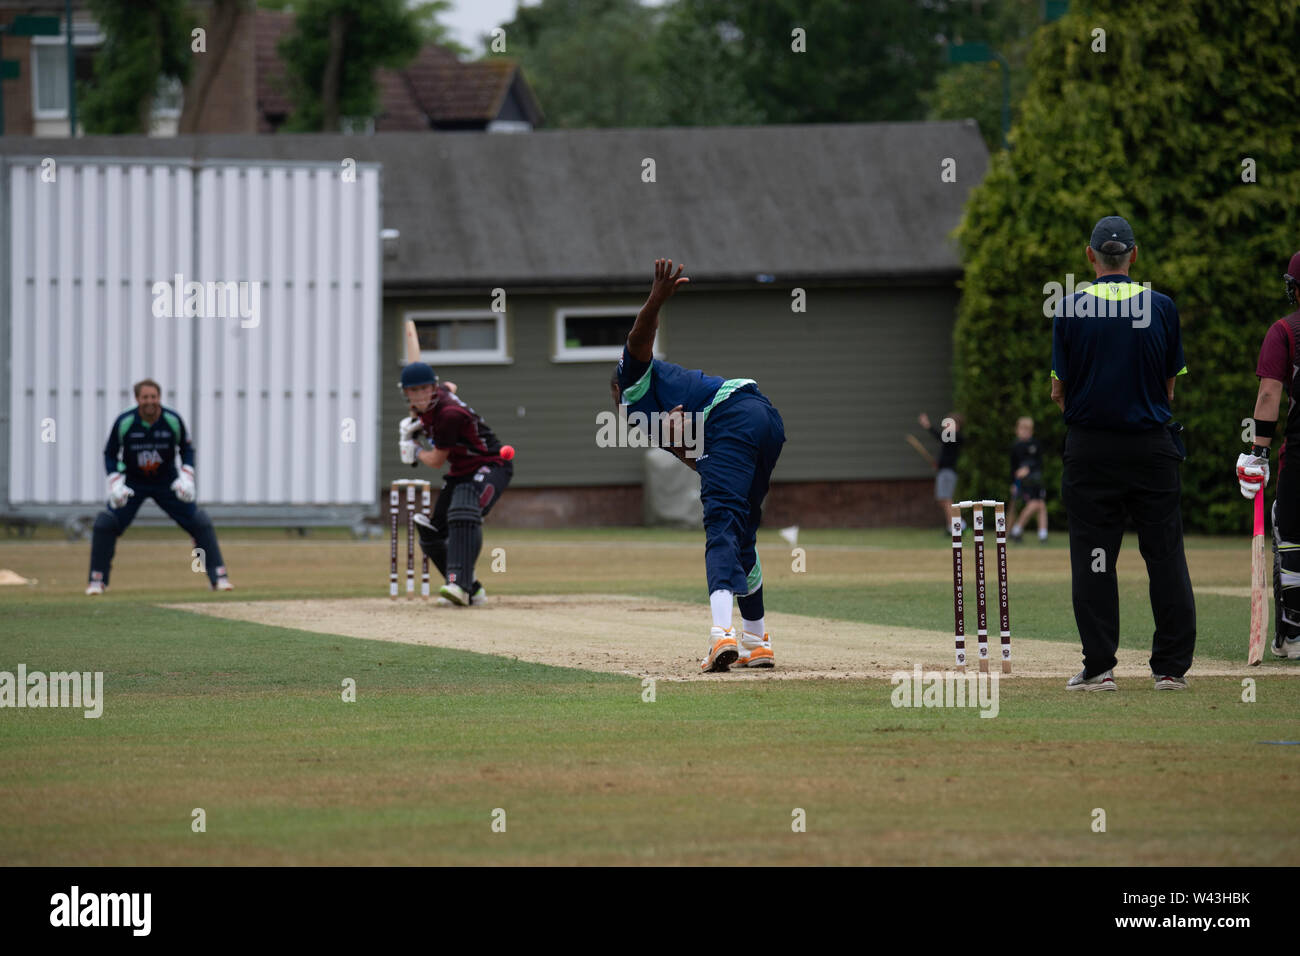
x=1252 y=473
x=118 y=490
x=409 y=450
x=184 y=485
x=409 y=427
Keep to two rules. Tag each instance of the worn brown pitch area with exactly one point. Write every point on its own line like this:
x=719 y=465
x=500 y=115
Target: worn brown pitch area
x=652 y=638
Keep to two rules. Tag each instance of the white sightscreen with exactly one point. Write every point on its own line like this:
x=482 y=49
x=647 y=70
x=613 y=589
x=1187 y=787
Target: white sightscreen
x=282 y=411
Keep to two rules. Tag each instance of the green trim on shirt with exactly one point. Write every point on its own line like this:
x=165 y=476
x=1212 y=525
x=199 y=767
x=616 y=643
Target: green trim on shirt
x=1182 y=371
x=174 y=424
x=636 y=391
x=1055 y=376
x=723 y=393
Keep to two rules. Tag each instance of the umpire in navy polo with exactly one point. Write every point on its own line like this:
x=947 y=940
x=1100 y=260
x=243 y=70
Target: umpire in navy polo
x=1116 y=351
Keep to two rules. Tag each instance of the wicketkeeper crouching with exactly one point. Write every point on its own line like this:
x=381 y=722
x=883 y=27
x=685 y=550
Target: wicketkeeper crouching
x=140 y=458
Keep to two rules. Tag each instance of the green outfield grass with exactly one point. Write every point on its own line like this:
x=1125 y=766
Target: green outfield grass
x=247 y=722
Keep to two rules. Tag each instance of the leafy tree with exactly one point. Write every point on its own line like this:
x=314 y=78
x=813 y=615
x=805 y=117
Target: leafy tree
x=699 y=67
x=332 y=54
x=145 y=41
x=590 y=62
x=1155 y=129
x=220 y=29
x=724 y=62
x=428 y=15
x=975 y=89
x=861 y=61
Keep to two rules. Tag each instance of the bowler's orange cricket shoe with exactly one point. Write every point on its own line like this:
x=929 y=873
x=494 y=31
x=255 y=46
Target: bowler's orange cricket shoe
x=722 y=650
x=755 y=651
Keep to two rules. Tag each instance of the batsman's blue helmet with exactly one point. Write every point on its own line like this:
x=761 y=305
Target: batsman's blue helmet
x=417 y=373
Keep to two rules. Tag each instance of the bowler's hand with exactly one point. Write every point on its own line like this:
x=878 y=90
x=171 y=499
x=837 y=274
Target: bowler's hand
x=924 y=420
x=666 y=281
x=674 y=428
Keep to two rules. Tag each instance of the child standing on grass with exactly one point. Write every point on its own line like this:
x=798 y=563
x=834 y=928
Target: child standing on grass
x=1027 y=486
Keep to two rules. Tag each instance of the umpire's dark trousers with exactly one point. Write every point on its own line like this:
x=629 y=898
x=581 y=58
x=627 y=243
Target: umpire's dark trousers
x=1112 y=477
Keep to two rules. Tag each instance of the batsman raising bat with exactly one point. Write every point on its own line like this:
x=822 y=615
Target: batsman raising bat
x=742 y=438
x=442 y=429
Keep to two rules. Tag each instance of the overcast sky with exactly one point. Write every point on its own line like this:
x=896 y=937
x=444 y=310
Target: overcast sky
x=469 y=19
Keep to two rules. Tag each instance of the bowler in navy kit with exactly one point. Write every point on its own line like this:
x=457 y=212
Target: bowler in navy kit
x=742 y=437
x=140 y=458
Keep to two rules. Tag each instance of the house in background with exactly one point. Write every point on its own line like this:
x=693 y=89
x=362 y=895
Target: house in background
x=435 y=91
x=250 y=92
x=523 y=260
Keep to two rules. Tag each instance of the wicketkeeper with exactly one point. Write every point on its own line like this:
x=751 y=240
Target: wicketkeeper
x=1279 y=371
x=742 y=439
x=442 y=429
x=140 y=458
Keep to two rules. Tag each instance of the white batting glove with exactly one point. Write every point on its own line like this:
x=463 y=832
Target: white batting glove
x=184 y=484
x=1252 y=474
x=408 y=449
x=118 y=490
x=409 y=427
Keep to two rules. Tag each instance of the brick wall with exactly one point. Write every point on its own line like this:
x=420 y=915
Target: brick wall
x=19 y=120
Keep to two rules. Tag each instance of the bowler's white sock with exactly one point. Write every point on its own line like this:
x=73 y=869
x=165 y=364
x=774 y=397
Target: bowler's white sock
x=720 y=601
x=753 y=627
x=1017 y=529
x=1042 y=534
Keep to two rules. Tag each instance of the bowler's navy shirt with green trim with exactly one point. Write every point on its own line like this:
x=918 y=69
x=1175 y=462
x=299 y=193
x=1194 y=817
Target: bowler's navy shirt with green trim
x=659 y=386
x=1115 y=345
x=147 y=453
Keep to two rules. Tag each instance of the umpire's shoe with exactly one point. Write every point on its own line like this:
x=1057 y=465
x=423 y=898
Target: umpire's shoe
x=1103 y=681
x=722 y=650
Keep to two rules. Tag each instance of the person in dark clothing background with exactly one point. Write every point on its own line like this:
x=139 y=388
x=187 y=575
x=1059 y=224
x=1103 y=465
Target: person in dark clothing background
x=1027 y=487
x=1116 y=352
x=945 y=479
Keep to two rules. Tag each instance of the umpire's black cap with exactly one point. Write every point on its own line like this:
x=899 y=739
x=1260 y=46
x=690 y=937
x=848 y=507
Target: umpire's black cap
x=1112 y=235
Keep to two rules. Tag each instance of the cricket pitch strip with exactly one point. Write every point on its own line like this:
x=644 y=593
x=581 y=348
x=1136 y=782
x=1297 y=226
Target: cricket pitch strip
x=646 y=637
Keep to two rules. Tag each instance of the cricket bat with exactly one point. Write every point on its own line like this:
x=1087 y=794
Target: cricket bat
x=412 y=343
x=1258 y=592
x=921 y=449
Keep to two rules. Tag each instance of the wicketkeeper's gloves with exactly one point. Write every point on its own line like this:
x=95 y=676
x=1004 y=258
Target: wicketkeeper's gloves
x=118 y=490
x=184 y=484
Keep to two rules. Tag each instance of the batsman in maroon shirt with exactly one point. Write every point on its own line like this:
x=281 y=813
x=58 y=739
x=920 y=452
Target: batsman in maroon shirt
x=1279 y=371
x=442 y=429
